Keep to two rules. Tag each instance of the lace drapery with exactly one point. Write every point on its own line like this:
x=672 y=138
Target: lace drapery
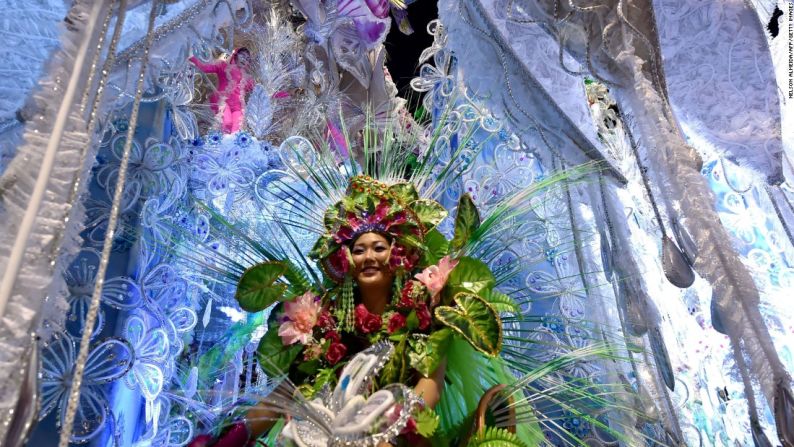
x=721 y=80
x=534 y=94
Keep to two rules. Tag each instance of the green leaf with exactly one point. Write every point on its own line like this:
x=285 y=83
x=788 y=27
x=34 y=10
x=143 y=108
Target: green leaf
x=429 y=212
x=396 y=369
x=500 y=301
x=437 y=247
x=349 y=202
x=470 y=275
x=310 y=367
x=274 y=357
x=405 y=192
x=298 y=282
x=323 y=247
x=325 y=376
x=420 y=113
x=495 y=437
x=426 y=422
x=412 y=321
x=257 y=289
x=474 y=320
x=466 y=222
x=426 y=354
x=331 y=216
x=411 y=241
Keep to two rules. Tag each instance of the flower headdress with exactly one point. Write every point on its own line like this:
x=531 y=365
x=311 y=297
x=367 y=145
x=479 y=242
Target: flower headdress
x=395 y=211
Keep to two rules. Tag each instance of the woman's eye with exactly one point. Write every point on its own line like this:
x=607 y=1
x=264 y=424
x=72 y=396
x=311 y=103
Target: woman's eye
x=358 y=251
x=380 y=249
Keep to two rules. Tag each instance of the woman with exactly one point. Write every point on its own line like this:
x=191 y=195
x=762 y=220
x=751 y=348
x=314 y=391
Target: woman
x=391 y=271
x=234 y=82
x=374 y=277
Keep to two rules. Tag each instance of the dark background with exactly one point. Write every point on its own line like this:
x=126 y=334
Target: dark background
x=403 y=51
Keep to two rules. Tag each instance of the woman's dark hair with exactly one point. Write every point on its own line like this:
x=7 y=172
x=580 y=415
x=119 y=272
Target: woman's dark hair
x=237 y=52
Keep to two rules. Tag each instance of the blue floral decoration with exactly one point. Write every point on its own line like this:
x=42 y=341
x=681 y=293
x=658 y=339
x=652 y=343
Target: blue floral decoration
x=243 y=139
x=214 y=138
x=107 y=362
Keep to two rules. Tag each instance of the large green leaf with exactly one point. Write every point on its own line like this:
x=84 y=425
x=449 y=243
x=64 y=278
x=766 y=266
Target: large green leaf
x=475 y=320
x=437 y=247
x=411 y=241
x=500 y=301
x=298 y=282
x=470 y=275
x=429 y=212
x=466 y=222
x=405 y=192
x=426 y=354
x=274 y=357
x=257 y=289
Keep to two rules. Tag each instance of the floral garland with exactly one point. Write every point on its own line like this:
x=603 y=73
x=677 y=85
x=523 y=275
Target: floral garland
x=313 y=326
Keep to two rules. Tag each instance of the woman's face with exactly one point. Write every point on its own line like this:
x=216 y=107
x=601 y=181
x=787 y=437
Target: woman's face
x=371 y=253
x=243 y=59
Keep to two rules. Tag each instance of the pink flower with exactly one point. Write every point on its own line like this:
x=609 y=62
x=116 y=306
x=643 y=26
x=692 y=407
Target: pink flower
x=396 y=322
x=338 y=263
x=300 y=316
x=435 y=276
x=312 y=351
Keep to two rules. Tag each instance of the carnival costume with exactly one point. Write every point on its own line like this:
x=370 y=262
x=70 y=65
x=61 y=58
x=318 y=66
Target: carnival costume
x=118 y=328
x=348 y=368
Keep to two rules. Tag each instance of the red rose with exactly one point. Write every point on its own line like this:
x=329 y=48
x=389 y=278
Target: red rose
x=338 y=263
x=367 y=322
x=424 y=316
x=333 y=336
x=335 y=352
x=325 y=321
x=396 y=322
x=406 y=298
x=403 y=257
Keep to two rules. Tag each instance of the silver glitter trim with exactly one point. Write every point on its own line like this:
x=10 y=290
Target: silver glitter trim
x=85 y=341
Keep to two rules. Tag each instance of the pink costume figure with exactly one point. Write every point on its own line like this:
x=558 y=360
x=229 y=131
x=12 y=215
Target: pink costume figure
x=234 y=83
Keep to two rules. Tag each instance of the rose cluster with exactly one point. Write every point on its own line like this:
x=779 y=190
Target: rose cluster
x=305 y=321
